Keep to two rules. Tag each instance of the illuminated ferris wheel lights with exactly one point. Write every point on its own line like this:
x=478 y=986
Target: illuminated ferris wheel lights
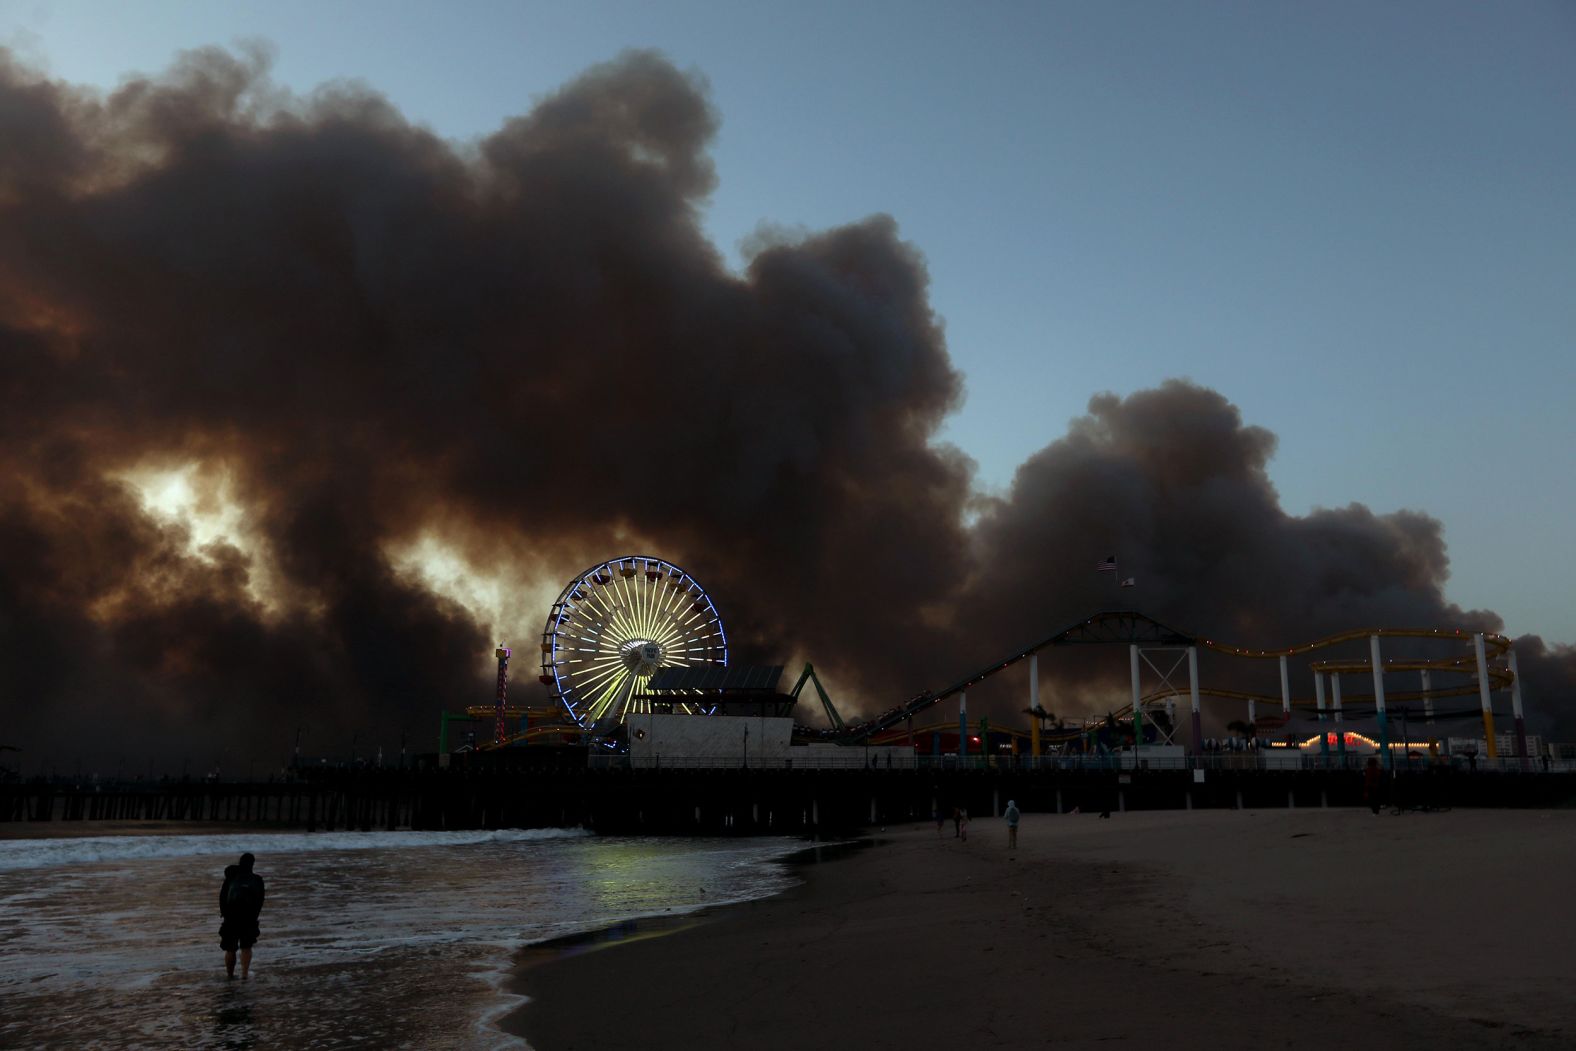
x=618 y=623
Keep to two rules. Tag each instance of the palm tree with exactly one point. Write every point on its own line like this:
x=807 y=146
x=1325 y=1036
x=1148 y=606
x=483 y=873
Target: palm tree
x=1162 y=723
x=1039 y=712
x=1121 y=730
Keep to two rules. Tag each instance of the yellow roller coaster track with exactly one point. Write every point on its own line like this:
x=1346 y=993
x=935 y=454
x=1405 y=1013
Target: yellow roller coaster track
x=1494 y=646
x=1498 y=643
x=512 y=711
x=534 y=733
x=1129 y=627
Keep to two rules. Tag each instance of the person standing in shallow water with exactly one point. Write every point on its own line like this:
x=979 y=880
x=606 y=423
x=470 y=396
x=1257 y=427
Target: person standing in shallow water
x=240 y=903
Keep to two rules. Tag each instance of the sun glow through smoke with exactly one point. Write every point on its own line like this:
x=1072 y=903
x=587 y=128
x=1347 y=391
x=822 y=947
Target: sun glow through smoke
x=511 y=610
x=200 y=502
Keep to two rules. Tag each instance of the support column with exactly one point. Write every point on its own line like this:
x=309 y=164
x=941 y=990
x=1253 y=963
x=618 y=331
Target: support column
x=1034 y=706
x=1340 y=726
x=1483 y=696
x=1138 y=710
x=1285 y=692
x=1377 y=665
x=1515 y=707
x=963 y=726
x=1428 y=698
x=1318 y=699
x=1192 y=684
x=502 y=653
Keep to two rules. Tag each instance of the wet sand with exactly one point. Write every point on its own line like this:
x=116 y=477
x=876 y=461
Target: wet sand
x=1284 y=929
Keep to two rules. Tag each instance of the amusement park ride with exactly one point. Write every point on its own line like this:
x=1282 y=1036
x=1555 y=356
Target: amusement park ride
x=616 y=624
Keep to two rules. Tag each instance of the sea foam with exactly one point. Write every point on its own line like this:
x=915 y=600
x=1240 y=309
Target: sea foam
x=90 y=850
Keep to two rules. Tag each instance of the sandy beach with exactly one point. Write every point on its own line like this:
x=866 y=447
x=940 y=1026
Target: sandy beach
x=1239 y=929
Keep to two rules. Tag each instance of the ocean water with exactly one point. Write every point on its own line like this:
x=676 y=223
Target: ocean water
x=374 y=939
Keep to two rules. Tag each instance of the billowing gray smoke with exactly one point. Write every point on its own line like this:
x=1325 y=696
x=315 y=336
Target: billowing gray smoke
x=366 y=337
x=1173 y=482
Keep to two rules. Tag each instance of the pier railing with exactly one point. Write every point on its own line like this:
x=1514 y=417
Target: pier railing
x=857 y=759
x=499 y=790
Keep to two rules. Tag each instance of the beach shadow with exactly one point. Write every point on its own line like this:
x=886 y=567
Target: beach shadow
x=605 y=937
x=232 y=1018
x=820 y=853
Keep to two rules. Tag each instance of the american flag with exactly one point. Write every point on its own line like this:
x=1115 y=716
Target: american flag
x=1108 y=565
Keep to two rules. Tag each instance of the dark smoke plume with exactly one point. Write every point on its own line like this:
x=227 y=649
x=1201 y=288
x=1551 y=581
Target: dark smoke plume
x=1173 y=481
x=356 y=338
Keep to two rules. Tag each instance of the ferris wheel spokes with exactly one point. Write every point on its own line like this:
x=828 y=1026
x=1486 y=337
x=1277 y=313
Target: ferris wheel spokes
x=615 y=625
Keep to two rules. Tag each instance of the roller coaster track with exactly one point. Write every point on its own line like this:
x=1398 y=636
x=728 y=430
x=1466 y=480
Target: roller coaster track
x=1128 y=627
x=535 y=732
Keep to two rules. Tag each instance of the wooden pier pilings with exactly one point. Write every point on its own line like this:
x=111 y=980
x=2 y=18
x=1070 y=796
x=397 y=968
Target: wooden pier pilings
x=492 y=795
x=281 y=805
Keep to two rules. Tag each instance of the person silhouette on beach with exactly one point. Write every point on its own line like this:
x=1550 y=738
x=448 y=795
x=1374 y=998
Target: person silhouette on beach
x=230 y=872
x=1012 y=824
x=963 y=825
x=1373 y=785
x=957 y=822
x=240 y=903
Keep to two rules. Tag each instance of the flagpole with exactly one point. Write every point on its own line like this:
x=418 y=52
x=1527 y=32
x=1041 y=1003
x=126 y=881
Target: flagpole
x=1108 y=564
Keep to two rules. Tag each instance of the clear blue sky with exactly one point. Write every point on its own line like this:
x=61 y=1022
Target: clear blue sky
x=1357 y=220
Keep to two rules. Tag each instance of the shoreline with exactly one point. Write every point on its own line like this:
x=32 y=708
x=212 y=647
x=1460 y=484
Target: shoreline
x=546 y=954
x=1111 y=932
x=511 y=1020
x=15 y=830
x=642 y=928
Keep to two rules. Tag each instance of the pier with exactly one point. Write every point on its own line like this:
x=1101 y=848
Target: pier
x=489 y=792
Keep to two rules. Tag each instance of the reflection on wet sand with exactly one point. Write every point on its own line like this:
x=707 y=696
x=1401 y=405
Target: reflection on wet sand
x=401 y=945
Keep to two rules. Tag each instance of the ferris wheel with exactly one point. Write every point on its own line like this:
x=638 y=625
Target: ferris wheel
x=618 y=622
